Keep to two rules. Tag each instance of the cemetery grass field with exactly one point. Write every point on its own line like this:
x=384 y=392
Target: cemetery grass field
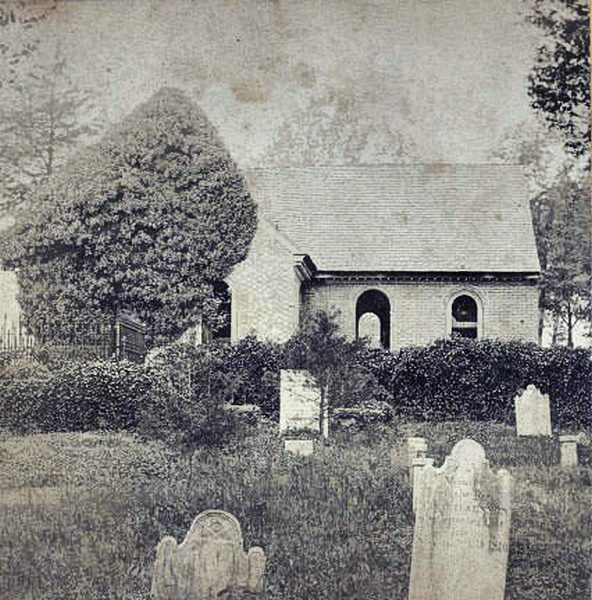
x=81 y=514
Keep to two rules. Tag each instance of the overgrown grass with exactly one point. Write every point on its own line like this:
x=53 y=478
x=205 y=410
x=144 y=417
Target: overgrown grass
x=336 y=526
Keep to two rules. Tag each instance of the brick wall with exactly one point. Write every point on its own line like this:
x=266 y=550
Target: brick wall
x=265 y=289
x=420 y=311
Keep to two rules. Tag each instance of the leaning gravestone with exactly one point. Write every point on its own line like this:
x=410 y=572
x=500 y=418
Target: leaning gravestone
x=462 y=528
x=533 y=413
x=209 y=564
x=300 y=401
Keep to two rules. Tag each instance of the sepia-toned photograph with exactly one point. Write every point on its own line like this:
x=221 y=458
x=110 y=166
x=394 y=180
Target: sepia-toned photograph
x=295 y=300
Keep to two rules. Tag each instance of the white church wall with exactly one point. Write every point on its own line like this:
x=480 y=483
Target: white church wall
x=419 y=310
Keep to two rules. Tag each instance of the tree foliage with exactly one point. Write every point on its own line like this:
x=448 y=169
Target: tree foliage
x=148 y=219
x=559 y=83
x=333 y=130
x=562 y=222
x=19 y=39
x=41 y=121
x=560 y=207
x=332 y=360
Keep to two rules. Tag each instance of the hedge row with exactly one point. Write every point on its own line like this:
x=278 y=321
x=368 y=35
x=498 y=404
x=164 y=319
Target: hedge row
x=447 y=380
x=78 y=397
x=478 y=380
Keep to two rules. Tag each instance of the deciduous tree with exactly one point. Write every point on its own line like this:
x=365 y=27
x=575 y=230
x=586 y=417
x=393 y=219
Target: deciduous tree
x=19 y=38
x=43 y=117
x=333 y=130
x=554 y=177
x=563 y=226
x=559 y=83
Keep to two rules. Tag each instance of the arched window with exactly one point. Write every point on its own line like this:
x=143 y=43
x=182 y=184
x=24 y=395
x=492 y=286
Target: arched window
x=373 y=318
x=465 y=317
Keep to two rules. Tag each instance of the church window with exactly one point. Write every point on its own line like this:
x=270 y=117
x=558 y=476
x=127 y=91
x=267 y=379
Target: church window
x=373 y=318
x=465 y=317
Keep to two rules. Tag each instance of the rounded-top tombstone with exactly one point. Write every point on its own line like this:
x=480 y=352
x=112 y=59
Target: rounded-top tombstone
x=210 y=563
x=462 y=525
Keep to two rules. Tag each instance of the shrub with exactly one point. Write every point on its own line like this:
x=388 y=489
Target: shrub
x=23 y=368
x=76 y=397
x=461 y=378
x=186 y=398
x=256 y=367
x=332 y=360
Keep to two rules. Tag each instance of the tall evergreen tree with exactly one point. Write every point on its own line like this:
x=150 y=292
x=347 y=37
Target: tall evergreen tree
x=149 y=220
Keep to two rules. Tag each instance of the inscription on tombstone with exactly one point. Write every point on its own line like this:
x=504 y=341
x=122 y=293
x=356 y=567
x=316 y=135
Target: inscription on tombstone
x=210 y=563
x=533 y=413
x=300 y=401
x=462 y=528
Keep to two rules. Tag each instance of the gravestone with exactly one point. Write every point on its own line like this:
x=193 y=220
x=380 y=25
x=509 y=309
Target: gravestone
x=533 y=413
x=568 y=446
x=300 y=401
x=417 y=447
x=210 y=563
x=462 y=528
x=299 y=447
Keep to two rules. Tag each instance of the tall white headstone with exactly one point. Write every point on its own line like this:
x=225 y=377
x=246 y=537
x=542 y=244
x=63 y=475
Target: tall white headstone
x=462 y=528
x=533 y=412
x=300 y=402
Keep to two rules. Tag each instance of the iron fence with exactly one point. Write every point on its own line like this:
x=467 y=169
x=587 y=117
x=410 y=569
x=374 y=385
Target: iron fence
x=121 y=339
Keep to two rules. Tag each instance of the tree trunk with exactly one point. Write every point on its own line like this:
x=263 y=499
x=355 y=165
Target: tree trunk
x=541 y=315
x=555 y=330
x=541 y=324
x=323 y=412
x=569 y=326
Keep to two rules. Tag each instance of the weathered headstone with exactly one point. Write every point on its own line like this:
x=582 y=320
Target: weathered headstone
x=210 y=563
x=416 y=470
x=299 y=447
x=533 y=413
x=568 y=446
x=462 y=528
x=300 y=401
x=417 y=447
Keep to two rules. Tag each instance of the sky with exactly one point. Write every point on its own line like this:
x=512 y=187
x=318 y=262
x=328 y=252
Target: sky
x=448 y=75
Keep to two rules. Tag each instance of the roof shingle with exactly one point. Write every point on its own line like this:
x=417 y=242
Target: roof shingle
x=402 y=218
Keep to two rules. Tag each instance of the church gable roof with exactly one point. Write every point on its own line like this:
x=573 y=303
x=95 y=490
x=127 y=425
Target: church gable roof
x=445 y=218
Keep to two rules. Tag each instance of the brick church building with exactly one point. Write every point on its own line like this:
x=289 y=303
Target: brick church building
x=406 y=254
